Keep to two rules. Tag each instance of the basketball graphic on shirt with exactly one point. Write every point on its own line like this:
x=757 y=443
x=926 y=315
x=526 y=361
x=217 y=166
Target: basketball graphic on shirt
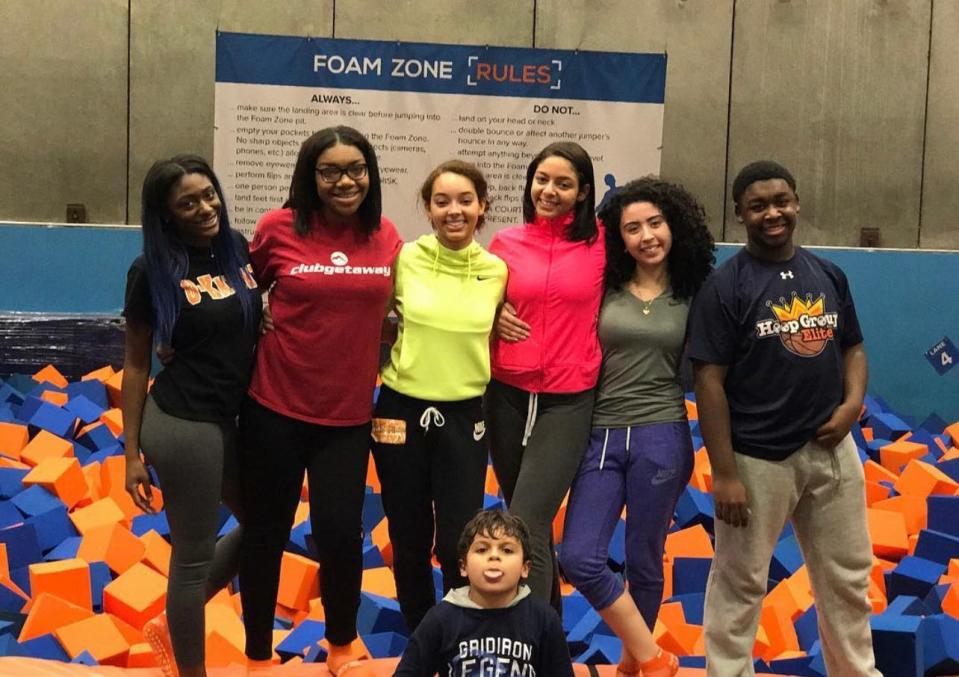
x=802 y=324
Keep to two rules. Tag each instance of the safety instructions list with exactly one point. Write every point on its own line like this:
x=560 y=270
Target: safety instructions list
x=421 y=104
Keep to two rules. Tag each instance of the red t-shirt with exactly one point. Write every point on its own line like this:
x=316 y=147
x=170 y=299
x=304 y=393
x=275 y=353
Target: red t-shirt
x=328 y=298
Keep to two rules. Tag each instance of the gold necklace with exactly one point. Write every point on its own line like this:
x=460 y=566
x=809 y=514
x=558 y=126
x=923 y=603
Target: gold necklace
x=647 y=305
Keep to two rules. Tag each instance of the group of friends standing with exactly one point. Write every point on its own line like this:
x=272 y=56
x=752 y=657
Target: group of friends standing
x=556 y=352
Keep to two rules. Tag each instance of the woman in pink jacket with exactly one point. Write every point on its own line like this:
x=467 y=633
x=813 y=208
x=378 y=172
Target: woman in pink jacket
x=546 y=358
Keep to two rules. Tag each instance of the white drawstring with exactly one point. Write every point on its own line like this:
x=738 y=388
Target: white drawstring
x=627 y=439
x=431 y=414
x=530 y=416
x=602 y=459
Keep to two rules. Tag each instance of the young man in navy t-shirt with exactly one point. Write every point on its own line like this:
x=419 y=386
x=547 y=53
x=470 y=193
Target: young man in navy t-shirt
x=780 y=379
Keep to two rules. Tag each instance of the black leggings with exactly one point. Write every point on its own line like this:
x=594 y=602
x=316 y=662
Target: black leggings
x=274 y=452
x=428 y=455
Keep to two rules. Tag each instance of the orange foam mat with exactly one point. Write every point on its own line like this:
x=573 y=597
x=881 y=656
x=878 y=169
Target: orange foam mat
x=18 y=667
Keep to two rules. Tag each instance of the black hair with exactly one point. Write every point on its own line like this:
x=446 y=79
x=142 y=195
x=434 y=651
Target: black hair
x=468 y=171
x=691 y=257
x=763 y=170
x=583 y=228
x=494 y=523
x=166 y=255
x=304 y=199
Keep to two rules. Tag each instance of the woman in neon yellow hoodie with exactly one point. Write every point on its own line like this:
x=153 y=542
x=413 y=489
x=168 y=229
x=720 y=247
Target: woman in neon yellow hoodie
x=428 y=427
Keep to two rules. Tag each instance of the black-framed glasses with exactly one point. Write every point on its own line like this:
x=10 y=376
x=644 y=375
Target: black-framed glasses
x=333 y=173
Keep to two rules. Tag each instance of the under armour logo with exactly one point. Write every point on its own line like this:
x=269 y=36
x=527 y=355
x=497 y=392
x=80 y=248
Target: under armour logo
x=786 y=275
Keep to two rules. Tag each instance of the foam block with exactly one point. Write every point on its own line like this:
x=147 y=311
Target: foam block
x=786 y=559
x=68 y=580
x=21 y=545
x=98 y=636
x=913 y=576
x=113 y=544
x=84 y=409
x=52 y=527
x=379 y=614
x=136 y=595
x=300 y=639
x=43 y=446
x=896 y=644
x=937 y=546
x=49 y=612
x=53 y=419
x=940 y=645
x=299 y=581
x=690 y=574
x=62 y=477
x=922 y=479
x=695 y=507
x=887 y=532
x=888 y=425
x=11 y=481
x=13 y=438
x=101 y=513
x=50 y=374
x=35 y=500
x=943 y=514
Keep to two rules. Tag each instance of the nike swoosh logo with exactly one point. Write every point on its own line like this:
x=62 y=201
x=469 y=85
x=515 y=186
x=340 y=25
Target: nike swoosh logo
x=480 y=278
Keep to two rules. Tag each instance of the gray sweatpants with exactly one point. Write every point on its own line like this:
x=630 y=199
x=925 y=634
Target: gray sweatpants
x=821 y=491
x=195 y=462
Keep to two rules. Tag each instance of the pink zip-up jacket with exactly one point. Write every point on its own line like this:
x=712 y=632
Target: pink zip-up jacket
x=556 y=287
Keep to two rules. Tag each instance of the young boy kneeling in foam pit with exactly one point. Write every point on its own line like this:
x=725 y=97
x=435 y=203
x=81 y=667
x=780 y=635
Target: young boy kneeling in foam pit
x=492 y=625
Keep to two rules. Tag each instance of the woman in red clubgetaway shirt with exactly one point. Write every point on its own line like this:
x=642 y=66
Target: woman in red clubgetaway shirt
x=327 y=259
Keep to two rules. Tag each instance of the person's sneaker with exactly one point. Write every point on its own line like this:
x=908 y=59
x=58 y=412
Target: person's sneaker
x=157 y=634
x=663 y=664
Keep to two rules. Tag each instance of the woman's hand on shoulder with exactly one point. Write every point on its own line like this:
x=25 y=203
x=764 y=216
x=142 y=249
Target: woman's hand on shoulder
x=508 y=325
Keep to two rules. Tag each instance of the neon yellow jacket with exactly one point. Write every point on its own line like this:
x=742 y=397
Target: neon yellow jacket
x=446 y=301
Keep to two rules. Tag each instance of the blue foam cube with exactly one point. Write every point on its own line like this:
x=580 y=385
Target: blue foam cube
x=84 y=409
x=35 y=500
x=940 y=645
x=55 y=420
x=695 y=507
x=92 y=390
x=913 y=576
x=937 y=546
x=896 y=644
x=301 y=638
x=690 y=574
x=943 y=514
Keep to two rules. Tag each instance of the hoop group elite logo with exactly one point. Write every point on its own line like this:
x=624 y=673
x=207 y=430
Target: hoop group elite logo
x=803 y=325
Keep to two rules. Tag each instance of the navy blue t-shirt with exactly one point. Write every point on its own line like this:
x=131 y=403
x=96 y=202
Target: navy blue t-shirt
x=781 y=329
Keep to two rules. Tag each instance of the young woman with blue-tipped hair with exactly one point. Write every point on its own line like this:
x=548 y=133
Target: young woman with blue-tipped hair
x=192 y=291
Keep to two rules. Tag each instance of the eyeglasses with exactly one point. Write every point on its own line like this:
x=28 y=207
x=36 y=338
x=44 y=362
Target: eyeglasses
x=332 y=173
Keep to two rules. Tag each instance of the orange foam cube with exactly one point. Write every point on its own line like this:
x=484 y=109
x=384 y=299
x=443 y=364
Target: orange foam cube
x=381 y=539
x=102 y=374
x=690 y=542
x=673 y=633
x=372 y=479
x=895 y=455
x=114 y=544
x=692 y=411
x=922 y=479
x=492 y=484
x=157 y=552
x=45 y=445
x=887 y=531
x=875 y=492
x=299 y=581
x=61 y=477
x=950 y=603
x=379 y=581
x=13 y=438
x=67 y=579
x=136 y=595
x=98 y=514
x=113 y=484
x=142 y=656
x=113 y=385
x=953 y=432
x=4 y=562
x=113 y=419
x=913 y=509
x=99 y=636
x=876 y=473
x=50 y=374
x=49 y=612
x=54 y=397
x=780 y=633
x=225 y=636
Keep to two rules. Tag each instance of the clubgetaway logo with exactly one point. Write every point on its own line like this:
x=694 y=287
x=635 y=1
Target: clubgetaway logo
x=803 y=325
x=339 y=265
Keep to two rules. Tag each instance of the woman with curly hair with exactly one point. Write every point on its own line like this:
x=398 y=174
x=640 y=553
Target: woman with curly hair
x=640 y=455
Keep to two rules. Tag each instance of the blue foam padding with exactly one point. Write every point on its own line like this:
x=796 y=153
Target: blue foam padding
x=38 y=390
x=157 y=522
x=22 y=382
x=9 y=600
x=23 y=548
x=582 y=632
x=695 y=507
x=858 y=437
x=301 y=638
x=98 y=438
x=906 y=605
x=872 y=448
x=690 y=574
x=493 y=502
x=372 y=558
x=385 y=644
x=315 y=654
x=84 y=409
x=943 y=514
x=888 y=426
x=10 y=647
x=874 y=405
x=55 y=420
x=692 y=606
x=786 y=559
x=91 y=389
x=7 y=413
x=9 y=394
x=30 y=406
x=793 y=666
x=373 y=512
x=53 y=527
x=933 y=600
x=920 y=436
x=937 y=546
x=297 y=542
x=45 y=646
x=379 y=614
x=574 y=607
x=817 y=665
x=99 y=578
x=896 y=644
x=34 y=500
x=950 y=468
x=940 y=645
x=81 y=453
x=21 y=576
x=85 y=658
x=692 y=661
x=8 y=627
x=67 y=549
x=913 y=576
x=933 y=423
x=11 y=481
x=602 y=650
x=9 y=515
x=807 y=628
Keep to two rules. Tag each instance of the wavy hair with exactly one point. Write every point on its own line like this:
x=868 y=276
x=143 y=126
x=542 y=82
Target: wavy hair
x=583 y=228
x=691 y=257
x=462 y=168
x=166 y=255
x=304 y=199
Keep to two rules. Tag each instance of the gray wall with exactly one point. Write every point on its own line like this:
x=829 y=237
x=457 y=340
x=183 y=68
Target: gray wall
x=859 y=98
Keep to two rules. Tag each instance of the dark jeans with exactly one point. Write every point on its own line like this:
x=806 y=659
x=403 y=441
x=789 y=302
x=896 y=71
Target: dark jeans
x=427 y=463
x=275 y=450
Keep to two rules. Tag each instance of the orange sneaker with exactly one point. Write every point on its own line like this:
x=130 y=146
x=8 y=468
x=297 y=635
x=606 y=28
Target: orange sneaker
x=156 y=632
x=345 y=659
x=663 y=664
